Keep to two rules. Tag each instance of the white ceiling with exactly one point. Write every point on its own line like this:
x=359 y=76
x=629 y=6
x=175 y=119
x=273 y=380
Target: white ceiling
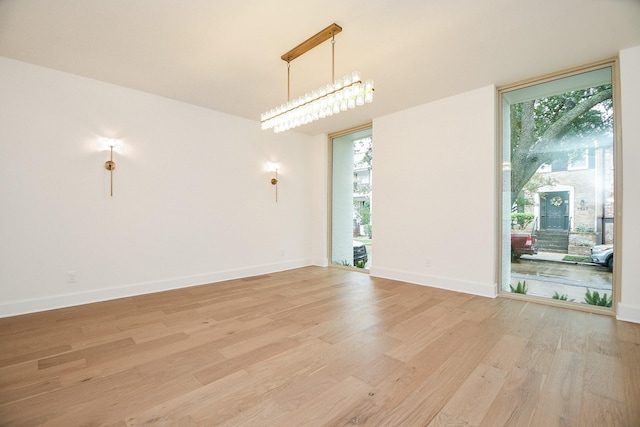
x=225 y=55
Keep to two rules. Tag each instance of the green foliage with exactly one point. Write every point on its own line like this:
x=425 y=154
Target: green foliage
x=526 y=196
x=345 y=263
x=556 y=295
x=521 y=202
x=595 y=299
x=521 y=219
x=363 y=149
x=576 y=258
x=365 y=213
x=556 y=128
x=521 y=288
x=362 y=210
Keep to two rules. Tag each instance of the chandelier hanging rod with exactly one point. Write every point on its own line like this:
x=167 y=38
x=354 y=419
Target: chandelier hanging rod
x=312 y=42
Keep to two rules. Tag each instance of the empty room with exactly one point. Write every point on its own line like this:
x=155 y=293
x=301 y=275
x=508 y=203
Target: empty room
x=282 y=213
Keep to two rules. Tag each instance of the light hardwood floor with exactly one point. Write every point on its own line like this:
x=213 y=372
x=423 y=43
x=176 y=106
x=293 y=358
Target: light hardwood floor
x=318 y=347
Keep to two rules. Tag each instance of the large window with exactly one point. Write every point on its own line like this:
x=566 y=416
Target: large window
x=351 y=190
x=558 y=188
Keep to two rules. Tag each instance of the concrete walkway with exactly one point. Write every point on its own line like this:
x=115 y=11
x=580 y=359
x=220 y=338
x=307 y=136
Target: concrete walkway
x=547 y=286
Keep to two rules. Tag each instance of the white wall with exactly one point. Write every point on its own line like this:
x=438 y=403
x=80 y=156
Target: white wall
x=435 y=194
x=193 y=203
x=192 y=199
x=629 y=307
x=317 y=160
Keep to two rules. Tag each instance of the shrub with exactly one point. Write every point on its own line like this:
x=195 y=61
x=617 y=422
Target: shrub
x=521 y=219
x=521 y=288
x=562 y=297
x=595 y=299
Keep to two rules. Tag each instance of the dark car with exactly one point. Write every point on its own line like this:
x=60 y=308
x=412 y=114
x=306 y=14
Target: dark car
x=603 y=255
x=359 y=254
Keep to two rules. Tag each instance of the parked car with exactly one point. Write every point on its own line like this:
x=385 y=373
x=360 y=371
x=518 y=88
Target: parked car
x=359 y=253
x=603 y=255
x=523 y=244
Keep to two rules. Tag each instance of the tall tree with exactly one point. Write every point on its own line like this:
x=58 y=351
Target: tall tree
x=542 y=130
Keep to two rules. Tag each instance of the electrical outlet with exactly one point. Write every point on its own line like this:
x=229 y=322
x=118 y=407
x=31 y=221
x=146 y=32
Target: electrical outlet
x=72 y=276
x=427 y=262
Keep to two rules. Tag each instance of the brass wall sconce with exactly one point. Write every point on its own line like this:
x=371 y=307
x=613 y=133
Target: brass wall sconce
x=274 y=181
x=110 y=165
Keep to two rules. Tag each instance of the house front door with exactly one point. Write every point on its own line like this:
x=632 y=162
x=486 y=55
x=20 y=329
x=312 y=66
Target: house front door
x=554 y=211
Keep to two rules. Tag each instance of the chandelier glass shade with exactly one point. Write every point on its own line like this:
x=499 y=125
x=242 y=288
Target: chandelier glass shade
x=340 y=95
x=343 y=94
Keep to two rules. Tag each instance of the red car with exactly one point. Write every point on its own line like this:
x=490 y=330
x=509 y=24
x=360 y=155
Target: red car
x=523 y=244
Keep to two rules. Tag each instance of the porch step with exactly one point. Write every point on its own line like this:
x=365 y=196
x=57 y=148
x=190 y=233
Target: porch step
x=553 y=241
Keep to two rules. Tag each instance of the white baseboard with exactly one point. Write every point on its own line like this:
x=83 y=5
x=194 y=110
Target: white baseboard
x=628 y=313
x=78 y=298
x=465 y=286
x=321 y=262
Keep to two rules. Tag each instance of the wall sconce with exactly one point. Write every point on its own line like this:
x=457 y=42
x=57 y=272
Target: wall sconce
x=110 y=165
x=273 y=167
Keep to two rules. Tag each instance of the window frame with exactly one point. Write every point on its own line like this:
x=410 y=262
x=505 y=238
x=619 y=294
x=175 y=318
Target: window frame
x=502 y=165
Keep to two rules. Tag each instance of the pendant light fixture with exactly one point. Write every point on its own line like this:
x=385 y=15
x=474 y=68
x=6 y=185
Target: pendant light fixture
x=342 y=94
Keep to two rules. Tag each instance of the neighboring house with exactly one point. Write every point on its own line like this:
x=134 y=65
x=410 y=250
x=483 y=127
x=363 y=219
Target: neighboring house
x=575 y=208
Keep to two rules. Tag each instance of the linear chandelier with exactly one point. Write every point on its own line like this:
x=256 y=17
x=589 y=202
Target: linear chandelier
x=340 y=95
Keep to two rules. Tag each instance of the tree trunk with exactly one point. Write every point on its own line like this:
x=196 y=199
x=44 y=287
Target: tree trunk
x=529 y=153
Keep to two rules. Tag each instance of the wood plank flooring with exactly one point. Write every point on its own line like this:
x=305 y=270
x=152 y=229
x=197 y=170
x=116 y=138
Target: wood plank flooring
x=318 y=347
